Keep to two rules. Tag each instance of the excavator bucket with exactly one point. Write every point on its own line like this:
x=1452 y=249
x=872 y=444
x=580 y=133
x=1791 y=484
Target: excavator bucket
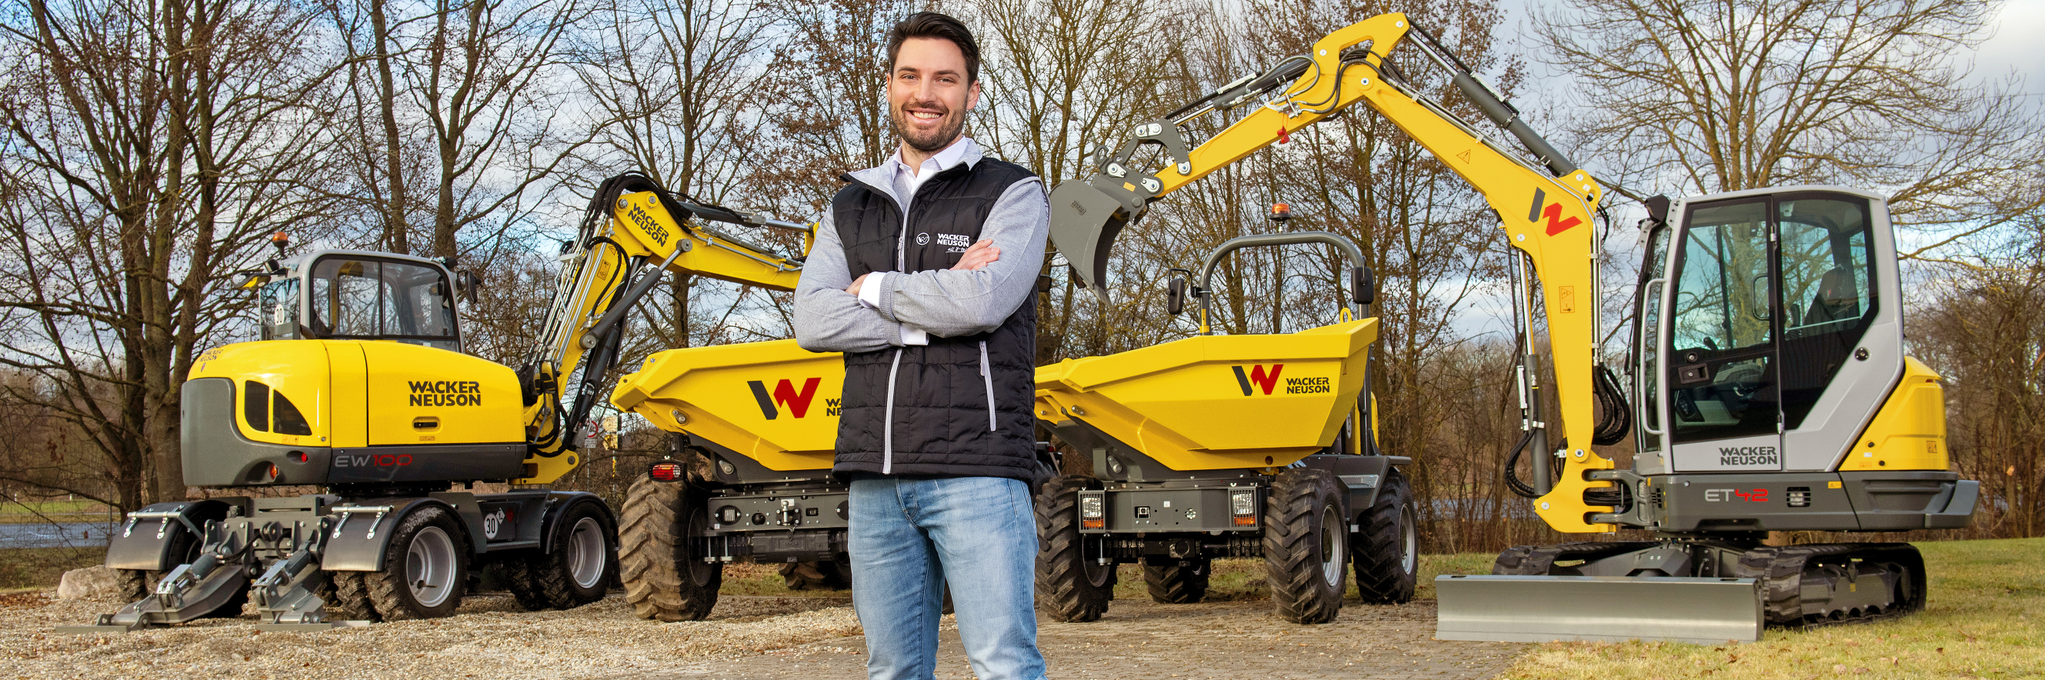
x=1702 y=610
x=1084 y=223
x=774 y=402
x=1216 y=402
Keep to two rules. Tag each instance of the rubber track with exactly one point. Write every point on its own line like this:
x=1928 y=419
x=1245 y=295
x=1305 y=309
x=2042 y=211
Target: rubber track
x=1062 y=590
x=1175 y=583
x=1292 y=560
x=1376 y=549
x=1780 y=570
x=648 y=557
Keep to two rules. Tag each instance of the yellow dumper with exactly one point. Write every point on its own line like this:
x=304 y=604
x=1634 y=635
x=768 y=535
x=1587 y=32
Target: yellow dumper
x=1226 y=446
x=764 y=417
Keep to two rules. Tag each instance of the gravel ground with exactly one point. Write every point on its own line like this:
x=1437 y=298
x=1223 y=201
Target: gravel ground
x=746 y=637
x=489 y=638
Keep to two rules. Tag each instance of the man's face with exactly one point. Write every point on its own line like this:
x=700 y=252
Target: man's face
x=928 y=94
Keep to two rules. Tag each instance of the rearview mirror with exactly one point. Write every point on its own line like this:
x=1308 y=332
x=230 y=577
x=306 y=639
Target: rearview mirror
x=1362 y=285
x=1175 y=296
x=466 y=283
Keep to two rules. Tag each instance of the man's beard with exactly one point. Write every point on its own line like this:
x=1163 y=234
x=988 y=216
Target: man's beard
x=933 y=142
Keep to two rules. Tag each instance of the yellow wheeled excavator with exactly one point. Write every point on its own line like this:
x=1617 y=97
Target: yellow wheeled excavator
x=1770 y=382
x=359 y=384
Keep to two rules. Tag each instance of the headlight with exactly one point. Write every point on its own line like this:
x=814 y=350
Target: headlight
x=1242 y=502
x=1090 y=507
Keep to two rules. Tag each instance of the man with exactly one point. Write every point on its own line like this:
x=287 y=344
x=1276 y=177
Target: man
x=921 y=274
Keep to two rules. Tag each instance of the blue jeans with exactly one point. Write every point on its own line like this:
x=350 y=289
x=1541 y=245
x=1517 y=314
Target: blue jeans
x=910 y=536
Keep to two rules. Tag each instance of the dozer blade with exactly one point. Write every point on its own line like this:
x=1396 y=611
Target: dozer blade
x=1084 y=223
x=1704 y=610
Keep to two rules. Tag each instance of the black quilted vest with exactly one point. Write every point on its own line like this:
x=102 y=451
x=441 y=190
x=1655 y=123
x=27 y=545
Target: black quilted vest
x=961 y=407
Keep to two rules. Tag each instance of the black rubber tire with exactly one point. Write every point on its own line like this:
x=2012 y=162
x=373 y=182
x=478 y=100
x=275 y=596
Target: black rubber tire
x=1070 y=587
x=520 y=582
x=1385 y=550
x=136 y=584
x=815 y=575
x=347 y=596
x=1299 y=544
x=388 y=588
x=545 y=580
x=1177 y=581
x=661 y=582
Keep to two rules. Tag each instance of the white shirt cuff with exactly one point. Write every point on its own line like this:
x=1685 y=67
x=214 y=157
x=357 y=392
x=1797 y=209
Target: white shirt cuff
x=914 y=337
x=869 y=292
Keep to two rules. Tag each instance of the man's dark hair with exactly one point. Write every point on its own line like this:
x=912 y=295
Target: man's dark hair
x=935 y=25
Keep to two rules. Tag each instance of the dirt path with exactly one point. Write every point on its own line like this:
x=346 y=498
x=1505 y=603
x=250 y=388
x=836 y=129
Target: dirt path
x=1214 y=640
x=746 y=637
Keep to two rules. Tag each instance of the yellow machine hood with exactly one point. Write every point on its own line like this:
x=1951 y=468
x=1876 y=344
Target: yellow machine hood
x=773 y=402
x=1217 y=401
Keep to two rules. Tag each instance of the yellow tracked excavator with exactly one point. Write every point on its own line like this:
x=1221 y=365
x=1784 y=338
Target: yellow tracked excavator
x=360 y=385
x=1769 y=379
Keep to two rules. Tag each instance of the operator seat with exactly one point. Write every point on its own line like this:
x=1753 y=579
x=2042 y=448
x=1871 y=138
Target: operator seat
x=1838 y=298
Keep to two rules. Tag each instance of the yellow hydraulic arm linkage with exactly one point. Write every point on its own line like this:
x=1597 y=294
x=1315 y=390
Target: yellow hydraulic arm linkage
x=631 y=223
x=1545 y=213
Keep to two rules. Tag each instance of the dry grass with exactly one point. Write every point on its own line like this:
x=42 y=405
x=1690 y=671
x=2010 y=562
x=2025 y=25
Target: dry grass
x=1987 y=599
x=43 y=567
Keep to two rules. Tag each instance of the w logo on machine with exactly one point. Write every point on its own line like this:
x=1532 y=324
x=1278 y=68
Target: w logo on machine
x=1556 y=224
x=785 y=396
x=1258 y=378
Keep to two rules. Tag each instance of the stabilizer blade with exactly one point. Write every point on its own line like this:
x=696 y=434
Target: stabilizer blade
x=1084 y=223
x=1703 y=610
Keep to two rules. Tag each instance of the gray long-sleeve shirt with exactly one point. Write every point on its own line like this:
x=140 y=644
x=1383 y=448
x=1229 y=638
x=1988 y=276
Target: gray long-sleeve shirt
x=944 y=303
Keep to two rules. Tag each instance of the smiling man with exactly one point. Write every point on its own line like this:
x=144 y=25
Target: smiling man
x=921 y=274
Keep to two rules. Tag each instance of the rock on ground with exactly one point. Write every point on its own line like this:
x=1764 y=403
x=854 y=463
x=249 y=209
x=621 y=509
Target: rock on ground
x=91 y=583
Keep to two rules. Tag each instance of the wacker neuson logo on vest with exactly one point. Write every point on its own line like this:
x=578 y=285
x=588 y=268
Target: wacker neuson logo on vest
x=446 y=393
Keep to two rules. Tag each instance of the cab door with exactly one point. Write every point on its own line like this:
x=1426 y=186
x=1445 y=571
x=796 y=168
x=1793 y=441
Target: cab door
x=1777 y=344
x=1723 y=379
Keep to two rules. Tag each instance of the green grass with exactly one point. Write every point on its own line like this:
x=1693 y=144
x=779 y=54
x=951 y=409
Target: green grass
x=29 y=512
x=1982 y=621
x=22 y=568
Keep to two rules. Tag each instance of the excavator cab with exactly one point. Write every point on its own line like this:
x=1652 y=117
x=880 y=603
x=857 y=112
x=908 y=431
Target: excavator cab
x=1772 y=344
x=349 y=295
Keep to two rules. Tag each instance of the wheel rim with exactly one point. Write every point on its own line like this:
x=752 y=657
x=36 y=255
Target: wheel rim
x=1409 y=540
x=1090 y=566
x=695 y=547
x=430 y=567
x=586 y=554
x=1333 y=544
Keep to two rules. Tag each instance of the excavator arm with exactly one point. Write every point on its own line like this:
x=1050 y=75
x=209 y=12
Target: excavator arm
x=632 y=234
x=1545 y=210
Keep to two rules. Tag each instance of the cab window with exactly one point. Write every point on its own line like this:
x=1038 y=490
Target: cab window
x=279 y=309
x=376 y=299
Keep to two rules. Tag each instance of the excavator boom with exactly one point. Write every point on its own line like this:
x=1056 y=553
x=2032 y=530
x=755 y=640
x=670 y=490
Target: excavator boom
x=1349 y=67
x=633 y=233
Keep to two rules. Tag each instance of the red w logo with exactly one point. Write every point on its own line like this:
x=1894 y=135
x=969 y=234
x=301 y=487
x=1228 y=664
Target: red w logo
x=1258 y=377
x=785 y=396
x=1556 y=224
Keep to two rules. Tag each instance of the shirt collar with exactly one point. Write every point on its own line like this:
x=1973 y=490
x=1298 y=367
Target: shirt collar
x=945 y=159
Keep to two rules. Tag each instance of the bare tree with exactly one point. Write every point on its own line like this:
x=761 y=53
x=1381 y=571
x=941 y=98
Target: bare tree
x=150 y=147
x=482 y=83
x=1704 y=97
